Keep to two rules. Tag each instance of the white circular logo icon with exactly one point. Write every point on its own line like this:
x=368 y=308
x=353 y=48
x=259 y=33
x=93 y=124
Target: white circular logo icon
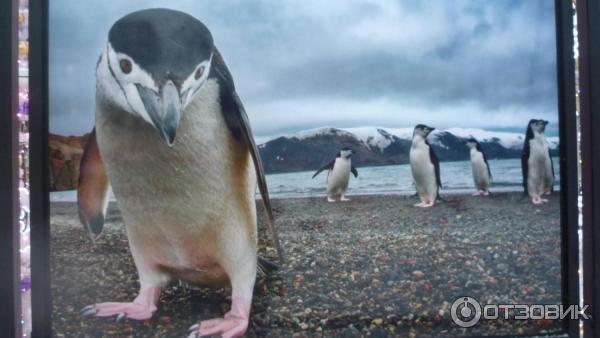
x=465 y=312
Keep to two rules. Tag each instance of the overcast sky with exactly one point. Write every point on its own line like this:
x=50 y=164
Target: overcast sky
x=305 y=64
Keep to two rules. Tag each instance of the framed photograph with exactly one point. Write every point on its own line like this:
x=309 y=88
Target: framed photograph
x=302 y=169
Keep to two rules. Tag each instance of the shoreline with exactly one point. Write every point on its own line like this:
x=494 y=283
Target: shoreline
x=70 y=196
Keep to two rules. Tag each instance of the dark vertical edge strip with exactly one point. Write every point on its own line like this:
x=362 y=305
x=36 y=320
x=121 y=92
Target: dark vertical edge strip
x=588 y=26
x=40 y=228
x=10 y=296
x=568 y=158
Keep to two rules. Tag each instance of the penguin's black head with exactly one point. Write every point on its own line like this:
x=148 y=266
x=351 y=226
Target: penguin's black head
x=422 y=130
x=154 y=63
x=472 y=143
x=536 y=126
x=346 y=152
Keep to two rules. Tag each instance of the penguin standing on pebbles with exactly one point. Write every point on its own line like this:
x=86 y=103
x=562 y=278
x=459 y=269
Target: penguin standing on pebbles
x=425 y=167
x=536 y=163
x=173 y=139
x=482 y=176
x=338 y=175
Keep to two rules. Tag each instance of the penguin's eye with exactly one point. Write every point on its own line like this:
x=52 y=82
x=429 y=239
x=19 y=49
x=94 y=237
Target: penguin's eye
x=199 y=73
x=125 y=66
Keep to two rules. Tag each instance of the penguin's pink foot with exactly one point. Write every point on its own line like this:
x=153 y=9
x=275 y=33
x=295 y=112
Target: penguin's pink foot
x=329 y=199
x=486 y=193
x=424 y=205
x=233 y=325
x=141 y=308
x=344 y=199
x=477 y=193
x=537 y=200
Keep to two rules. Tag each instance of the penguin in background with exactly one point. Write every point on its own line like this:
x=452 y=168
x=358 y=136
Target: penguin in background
x=172 y=139
x=536 y=163
x=338 y=175
x=482 y=175
x=425 y=167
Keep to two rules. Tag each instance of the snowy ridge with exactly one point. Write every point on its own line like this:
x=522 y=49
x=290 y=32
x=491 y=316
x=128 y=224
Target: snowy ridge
x=507 y=140
x=379 y=137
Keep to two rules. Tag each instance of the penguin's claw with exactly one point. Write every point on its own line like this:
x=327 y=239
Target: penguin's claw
x=193 y=333
x=121 y=310
x=88 y=311
x=194 y=327
x=228 y=327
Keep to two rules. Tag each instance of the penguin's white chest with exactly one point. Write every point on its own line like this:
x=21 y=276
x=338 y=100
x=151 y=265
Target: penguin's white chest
x=179 y=203
x=337 y=181
x=423 y=170
x=539 y=165
x=480 y=170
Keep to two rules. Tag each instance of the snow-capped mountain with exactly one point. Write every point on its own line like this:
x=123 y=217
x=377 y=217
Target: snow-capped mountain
x=309 y=149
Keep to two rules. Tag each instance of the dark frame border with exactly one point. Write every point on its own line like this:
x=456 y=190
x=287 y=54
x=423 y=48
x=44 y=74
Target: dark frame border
x=41 y=309
x=40 y=231
x=565 y=60
x=588 y=26
x=10 y=292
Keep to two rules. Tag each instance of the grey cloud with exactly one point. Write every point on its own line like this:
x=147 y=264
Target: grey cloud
x=492 y=56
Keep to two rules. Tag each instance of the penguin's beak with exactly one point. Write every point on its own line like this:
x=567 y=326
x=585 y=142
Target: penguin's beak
x=164 y=109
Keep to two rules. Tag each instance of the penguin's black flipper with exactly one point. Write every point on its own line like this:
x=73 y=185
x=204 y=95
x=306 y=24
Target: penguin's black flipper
x=480 y=149
x=328 y=166
x=354 y=171
x=237 y=122
x=436 y=164
x=266 y=267
x=525 y=164
x=553 y=175
x=92 y=190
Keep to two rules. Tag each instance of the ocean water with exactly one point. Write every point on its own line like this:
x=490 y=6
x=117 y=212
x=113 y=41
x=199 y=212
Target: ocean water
x=391 y=179
x=397 y=179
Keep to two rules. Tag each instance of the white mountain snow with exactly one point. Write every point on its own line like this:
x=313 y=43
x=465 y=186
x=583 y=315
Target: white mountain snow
x=382 y=137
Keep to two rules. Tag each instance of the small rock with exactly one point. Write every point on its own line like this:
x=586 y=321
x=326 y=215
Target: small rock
x=418 y=275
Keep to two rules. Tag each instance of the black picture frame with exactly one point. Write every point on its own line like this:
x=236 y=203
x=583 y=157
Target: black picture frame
x=10 y=296
x=40 y=227
x=568 y=158
x=41 y=308
x=588 y=26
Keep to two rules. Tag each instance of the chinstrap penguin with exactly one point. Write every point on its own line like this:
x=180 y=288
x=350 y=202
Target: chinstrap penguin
x=425 y=167
x=173 y=140
x=338 y=175
x=536 y=163
x=482 y=175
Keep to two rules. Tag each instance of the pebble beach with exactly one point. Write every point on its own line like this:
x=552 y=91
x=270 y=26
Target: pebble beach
x=372 y=267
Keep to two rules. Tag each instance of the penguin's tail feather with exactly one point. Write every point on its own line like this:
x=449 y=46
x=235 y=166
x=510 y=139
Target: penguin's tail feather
x=265 y=267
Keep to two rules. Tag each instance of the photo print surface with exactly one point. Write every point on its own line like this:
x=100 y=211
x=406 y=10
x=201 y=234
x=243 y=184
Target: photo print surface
x=316 y=168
